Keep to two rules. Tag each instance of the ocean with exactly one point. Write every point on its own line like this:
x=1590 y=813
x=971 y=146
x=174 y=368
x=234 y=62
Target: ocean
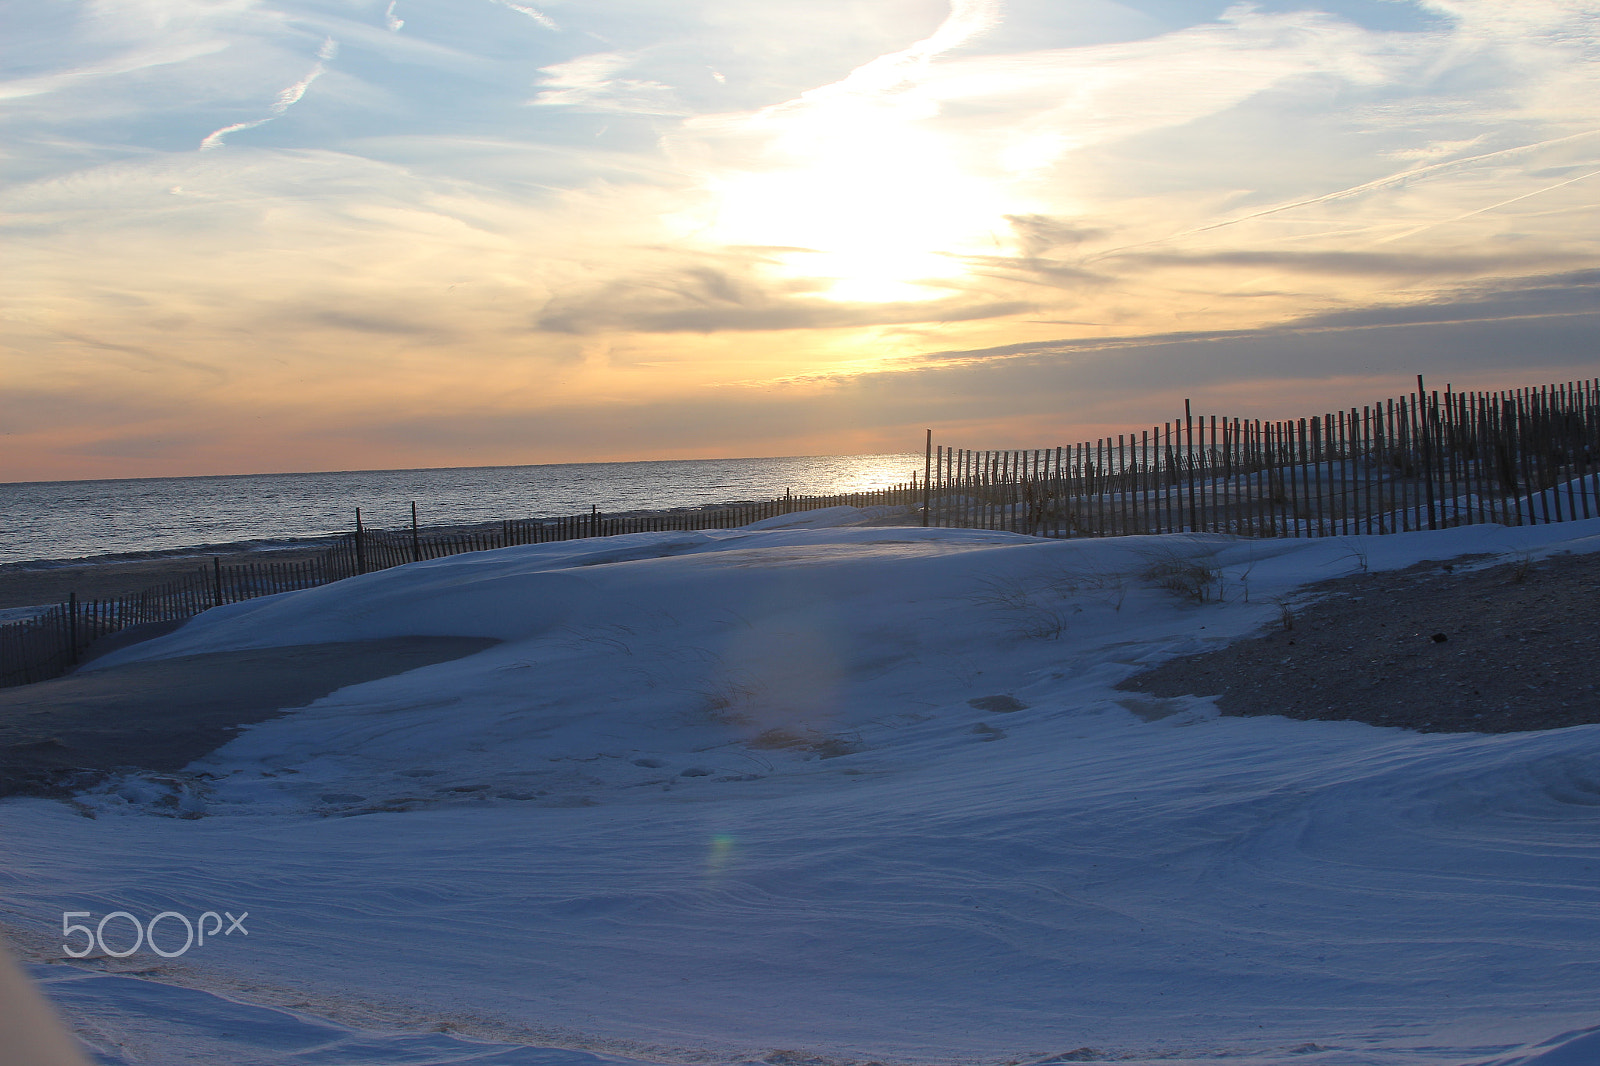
x=59 y=520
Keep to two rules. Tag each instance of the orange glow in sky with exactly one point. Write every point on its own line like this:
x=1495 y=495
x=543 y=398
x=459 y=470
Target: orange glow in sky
x=266 y=236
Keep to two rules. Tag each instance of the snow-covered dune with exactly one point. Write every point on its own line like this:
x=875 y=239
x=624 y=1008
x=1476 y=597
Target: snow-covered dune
x=851 y=792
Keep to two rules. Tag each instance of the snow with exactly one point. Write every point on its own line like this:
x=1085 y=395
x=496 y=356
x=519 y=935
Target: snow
x=147 y=1018
x=727 y=793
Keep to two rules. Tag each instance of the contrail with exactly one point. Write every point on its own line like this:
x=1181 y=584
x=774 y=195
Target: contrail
x=285 y=100
x=1393 y=179
x=1446 y=221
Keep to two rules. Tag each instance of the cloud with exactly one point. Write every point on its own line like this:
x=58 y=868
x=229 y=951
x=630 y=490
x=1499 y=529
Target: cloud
x=935 y=149
x=386 y=322
x=130 y=62
x=591 y=83
x=534 y=13
x=709 y=299
x=1047 y=394
x=144 y=357
x=1273 y=192
x=897 y=71
x=1037 y=234
x=1410 y=177
x=1036 y=270
x=286 y=99
x=1553 y=312
x=36 y=410
x=1359 y=264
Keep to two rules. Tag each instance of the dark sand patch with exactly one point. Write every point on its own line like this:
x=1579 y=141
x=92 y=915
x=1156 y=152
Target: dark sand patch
x=57 y=736
x=1433 y=648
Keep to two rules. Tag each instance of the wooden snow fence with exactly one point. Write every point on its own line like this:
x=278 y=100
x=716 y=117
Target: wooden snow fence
x=53 y=642
x=1422 y=461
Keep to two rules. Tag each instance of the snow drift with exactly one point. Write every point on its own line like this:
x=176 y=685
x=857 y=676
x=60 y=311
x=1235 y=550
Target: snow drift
x=847 y=793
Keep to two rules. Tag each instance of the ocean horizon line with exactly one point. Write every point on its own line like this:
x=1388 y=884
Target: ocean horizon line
x=479 y=466
x=42 y=521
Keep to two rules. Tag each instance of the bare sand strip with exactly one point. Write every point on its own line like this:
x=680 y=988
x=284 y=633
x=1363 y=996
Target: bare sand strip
x=60 y=735
x=40 y=584
x=1438 y=647
x=47 y=582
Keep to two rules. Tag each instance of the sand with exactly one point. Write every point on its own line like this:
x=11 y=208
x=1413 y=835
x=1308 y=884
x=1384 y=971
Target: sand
x=1439 y=647
x=61 y=735
x=38 y=584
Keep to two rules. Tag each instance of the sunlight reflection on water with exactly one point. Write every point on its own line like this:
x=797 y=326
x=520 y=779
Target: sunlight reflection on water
x=71 y=519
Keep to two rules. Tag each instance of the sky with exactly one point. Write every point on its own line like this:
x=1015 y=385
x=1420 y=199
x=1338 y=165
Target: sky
x=271 y=235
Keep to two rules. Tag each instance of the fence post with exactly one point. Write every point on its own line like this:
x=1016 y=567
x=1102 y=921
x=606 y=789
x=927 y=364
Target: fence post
x=927 y=471
x=1188 y=466
x=361 y=545
x=216 y=580
x=416 y=548
x=72 y=628
x=1426 y=451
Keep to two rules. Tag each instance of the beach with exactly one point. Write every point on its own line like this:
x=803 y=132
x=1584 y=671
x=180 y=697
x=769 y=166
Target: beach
x=1516 y=654
x=1436 y=647
x=779 y=794
x=50 y=582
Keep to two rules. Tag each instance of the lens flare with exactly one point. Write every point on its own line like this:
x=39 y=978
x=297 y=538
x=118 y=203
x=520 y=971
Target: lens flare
x=721 y=854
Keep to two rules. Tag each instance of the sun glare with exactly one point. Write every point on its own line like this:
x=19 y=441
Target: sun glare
x=874 y=204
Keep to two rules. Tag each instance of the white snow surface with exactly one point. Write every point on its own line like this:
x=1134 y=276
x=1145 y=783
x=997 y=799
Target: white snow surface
x=842 y=793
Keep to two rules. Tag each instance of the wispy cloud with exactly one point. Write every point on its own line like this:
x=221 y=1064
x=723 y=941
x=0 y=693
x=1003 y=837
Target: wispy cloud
x=732 y=192
x=1361 y=264
x=593 y=83
x=1404 y=177
x=531 y=12
x=1561 y=301
x=131 y=62
x=285 y=100
x=906 y=69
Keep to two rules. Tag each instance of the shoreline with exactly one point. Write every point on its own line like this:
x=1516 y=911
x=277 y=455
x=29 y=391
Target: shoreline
x=319 y=541
x=44 y=583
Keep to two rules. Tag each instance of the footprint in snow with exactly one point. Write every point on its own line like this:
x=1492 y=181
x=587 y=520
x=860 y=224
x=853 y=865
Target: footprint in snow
x=998 y=704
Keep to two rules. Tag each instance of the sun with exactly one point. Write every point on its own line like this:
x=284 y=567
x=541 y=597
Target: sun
x=874 y=203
